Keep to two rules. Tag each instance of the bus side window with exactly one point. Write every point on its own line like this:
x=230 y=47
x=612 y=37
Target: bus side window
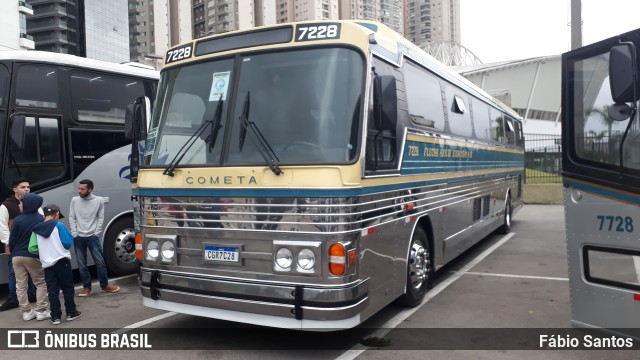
x=424 y=97
x=497 y=125
x=459 y=116
x=39 y=158
x=481 y=119
x=90 y=145
x=510 y=131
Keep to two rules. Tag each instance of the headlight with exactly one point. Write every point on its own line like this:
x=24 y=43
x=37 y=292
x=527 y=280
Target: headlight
x=306 y=259
x=284 y=258
x=152 y=250
x=167 y=251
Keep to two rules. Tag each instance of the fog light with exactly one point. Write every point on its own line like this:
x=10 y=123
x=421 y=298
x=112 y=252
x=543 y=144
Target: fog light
x=284 y=258
x=167 y=251
x=152 y=250
x=306 y=259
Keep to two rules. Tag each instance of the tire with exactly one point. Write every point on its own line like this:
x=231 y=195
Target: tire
x=119 y=247
x=419 y=270
x=506 y=222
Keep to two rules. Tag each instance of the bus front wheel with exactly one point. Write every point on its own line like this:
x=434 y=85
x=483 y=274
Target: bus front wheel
x=419 y=270
x=119 y=247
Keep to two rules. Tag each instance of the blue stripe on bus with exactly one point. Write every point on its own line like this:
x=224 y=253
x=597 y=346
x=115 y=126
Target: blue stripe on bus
x=605 y=192
x=360 y=191
x=427 y=158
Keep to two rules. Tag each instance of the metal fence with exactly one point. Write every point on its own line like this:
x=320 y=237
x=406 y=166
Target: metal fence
x=543 y=158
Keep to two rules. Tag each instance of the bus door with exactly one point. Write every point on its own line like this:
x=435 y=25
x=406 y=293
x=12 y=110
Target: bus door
x=601 y=177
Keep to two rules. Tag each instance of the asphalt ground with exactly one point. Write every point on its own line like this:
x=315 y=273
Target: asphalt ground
x=493 y=302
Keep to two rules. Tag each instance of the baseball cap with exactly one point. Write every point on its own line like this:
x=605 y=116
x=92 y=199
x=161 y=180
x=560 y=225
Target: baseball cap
x=51 y=209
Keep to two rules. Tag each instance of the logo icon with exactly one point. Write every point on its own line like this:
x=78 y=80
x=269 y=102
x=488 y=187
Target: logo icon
x=21 y=339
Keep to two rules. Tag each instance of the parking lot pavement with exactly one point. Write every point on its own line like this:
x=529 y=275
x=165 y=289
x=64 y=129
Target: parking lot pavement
x=518 y=281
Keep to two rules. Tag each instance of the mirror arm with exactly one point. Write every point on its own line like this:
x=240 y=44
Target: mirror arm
x=634 y=110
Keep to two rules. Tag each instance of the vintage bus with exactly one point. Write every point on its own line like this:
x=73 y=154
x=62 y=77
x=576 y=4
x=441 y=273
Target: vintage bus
x=306 y=175
x=601 y=175
x=62 y=120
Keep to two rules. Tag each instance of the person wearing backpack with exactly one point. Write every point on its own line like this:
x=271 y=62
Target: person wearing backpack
x=51 y=241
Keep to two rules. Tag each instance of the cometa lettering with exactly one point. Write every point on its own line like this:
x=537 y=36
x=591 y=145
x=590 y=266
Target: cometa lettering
x=221 y=180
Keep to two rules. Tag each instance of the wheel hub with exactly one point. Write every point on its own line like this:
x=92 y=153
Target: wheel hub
x=419 y=265
x=125 y=246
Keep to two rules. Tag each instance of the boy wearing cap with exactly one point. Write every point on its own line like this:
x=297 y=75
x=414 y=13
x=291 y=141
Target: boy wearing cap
x=54 y=242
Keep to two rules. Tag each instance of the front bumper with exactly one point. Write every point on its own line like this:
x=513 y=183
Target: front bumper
x=261 y=303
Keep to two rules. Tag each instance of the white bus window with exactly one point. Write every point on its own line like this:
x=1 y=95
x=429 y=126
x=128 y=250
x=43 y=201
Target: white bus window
x=102 y=98
x=481 y=120
x=613 y=266
x=424 y=97
x=50 y=140
x=39 y=157
x=24 y=154
x=89 y=145
x=37 y=86
x=459 y=118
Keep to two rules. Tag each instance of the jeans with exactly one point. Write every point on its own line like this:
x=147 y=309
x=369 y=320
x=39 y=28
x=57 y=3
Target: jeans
x=59 y=276
x=92 y=243
x=13 y=297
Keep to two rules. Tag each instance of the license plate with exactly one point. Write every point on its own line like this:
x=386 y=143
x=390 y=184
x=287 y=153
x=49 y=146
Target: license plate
x=221 y=254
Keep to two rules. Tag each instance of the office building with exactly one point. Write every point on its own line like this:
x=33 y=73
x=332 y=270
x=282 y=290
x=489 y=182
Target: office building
x=92 y=29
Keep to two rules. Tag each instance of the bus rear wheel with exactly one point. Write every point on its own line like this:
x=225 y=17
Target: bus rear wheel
x=419 y=270
x=119 y=247
x=508 y=212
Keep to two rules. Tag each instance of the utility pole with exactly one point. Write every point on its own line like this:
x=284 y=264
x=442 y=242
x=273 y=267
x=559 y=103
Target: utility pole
x=576 y=24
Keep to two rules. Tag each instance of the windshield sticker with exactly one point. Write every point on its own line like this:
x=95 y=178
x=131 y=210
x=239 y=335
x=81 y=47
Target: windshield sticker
x=151 y=142
x=219 y=86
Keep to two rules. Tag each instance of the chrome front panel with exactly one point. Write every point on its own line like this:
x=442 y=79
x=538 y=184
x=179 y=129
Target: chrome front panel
x=377 y=225
x=274 y=299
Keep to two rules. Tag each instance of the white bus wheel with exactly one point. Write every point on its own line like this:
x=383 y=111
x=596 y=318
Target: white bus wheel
x=119 y=247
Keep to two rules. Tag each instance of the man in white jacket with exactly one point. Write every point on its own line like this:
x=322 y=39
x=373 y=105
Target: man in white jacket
x=86 y=216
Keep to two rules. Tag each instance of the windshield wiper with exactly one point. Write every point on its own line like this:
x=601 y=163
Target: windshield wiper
x=215 y=129
x=261 y=143
x=185 y=147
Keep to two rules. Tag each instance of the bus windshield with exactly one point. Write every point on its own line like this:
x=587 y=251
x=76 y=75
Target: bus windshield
x=598 y=136
x=305 y=103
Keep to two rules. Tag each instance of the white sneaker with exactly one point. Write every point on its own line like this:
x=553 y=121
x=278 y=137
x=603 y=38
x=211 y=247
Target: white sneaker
x=43 y=315
x=30 y=315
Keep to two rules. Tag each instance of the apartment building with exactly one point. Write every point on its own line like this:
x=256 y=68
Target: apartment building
x=13 y=21
x=429 y=21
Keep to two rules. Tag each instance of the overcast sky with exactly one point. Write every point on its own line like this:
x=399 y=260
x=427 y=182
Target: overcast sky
x=498 y=30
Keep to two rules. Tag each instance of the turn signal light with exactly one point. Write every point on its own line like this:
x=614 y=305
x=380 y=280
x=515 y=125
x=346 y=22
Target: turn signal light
x=337 y=259
x=139 y=246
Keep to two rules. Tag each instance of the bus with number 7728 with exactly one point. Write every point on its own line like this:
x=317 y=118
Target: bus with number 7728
x=601 y=178
x=306 y=175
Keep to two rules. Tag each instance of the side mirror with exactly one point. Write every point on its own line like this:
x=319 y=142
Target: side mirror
x=18 y=124
x=623 y=73
x=135 y=119
x=385 y=102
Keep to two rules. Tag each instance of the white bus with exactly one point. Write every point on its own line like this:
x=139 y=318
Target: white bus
x=61 y=121
x=601 y=175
